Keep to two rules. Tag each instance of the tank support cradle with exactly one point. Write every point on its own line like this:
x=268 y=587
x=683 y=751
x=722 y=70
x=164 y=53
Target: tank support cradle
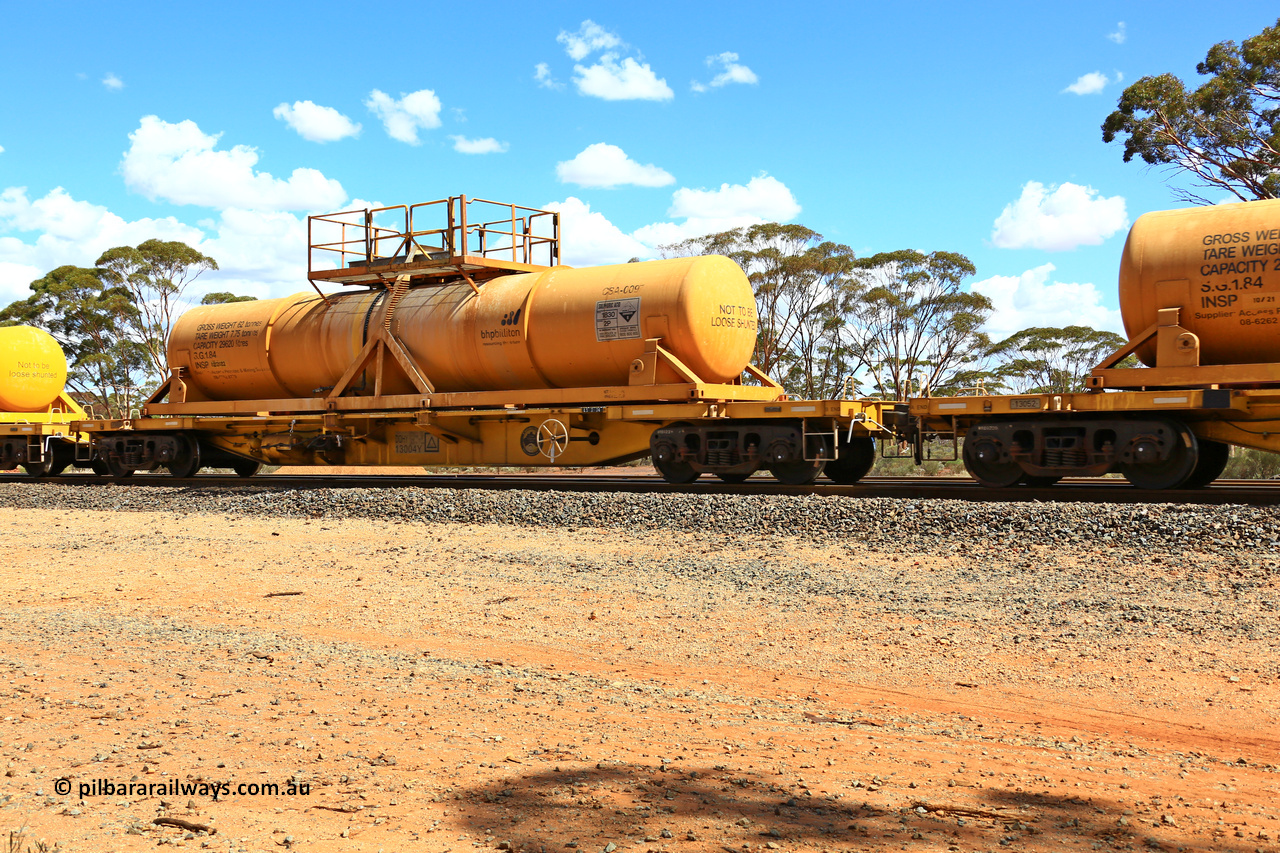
x=1177 y=362
x=381 y=342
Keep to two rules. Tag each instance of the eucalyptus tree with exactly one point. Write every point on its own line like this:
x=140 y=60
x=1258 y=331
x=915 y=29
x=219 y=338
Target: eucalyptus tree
x=1045 y=360
x=1225 y=134
x=155 y=273
x=803 y=291
x=90 y=319
x=915 y=327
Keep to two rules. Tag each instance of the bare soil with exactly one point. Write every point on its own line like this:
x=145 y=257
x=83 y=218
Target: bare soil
x=454 y=687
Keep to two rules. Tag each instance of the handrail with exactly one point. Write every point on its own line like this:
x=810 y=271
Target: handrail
x=370 y=237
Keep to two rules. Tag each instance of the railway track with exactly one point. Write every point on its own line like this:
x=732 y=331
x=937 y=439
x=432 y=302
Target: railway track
x=1092 y=490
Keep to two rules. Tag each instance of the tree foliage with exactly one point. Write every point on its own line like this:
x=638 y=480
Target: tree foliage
x=223 y=297
x=831 y=322
x=113 y=320
x=155 y=273
x=803 y=287
x=915 y=327
x=90 y=319
x=1226 y=133
x=1052 y=361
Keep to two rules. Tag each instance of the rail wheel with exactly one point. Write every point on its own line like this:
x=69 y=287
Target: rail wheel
x=115 y=468
x=1210 y=465
x=667 y=461
x=1175 y=471
x=797 y=473
x=982 y=462
x=99 y=467
x=246 y=467
x=187 y=462
x=856 y=459
x=801 y=472
x=676 y=472
x=39 y=469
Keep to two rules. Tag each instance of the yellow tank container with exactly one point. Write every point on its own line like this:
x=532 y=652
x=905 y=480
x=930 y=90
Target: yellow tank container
x=33 y=369
x=1221 y=266
x=560 y=328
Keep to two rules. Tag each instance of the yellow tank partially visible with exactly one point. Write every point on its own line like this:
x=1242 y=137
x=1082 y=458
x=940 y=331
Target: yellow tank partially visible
x=33 y=369
x=560 y=328
x=1221 y=266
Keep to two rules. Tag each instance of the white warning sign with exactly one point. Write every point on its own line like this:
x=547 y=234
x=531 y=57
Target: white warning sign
x=618 y=319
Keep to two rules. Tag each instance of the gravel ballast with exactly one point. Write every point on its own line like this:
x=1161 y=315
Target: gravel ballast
x=882 y=522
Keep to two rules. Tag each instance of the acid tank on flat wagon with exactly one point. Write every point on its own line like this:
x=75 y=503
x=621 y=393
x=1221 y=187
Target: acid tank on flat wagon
x=35 y=412
x=559 y=328
x=462 y=341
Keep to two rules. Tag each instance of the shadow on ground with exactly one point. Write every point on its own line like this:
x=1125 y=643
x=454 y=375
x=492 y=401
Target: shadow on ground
x=628 y=805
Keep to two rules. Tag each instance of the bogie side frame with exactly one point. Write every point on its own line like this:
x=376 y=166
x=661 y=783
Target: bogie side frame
x=1159 y=439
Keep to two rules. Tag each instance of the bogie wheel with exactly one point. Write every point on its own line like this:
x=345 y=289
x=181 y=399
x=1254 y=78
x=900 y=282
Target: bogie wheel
x=188 y=461
x=667 y=461
x=116 y=469
x=857 y=457
x=801 y=472
x=99 y=467
x=41 y=468
x=1171 y=473
x=981 y=463
x=246 y=467
x=675 y=472
x=1210 y=465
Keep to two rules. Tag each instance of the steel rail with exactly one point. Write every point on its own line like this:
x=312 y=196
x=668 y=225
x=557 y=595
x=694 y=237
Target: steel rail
x=1084 y=490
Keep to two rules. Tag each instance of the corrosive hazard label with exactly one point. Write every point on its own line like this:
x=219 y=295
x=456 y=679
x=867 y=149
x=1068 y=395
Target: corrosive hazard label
x=618 y=319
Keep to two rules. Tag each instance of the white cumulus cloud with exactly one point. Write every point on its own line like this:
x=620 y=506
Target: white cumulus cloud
x=627 y=80
x=403 y=118
x=179 y=163
x=762 y=199
x=113 y=82
x=542 y=74
x=65 y=230
x=1092 y=83
x=315 y=123
x=589 y=38
x=603 y=165
x=1119 y=35
x=1032 y=299
x=591 y=238
x=487 y=145
x=1058 y=218
x=731 y=71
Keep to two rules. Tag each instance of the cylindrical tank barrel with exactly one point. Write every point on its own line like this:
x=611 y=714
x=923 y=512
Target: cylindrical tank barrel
x=33 y=369
x=560 y=328
x=1221 y=266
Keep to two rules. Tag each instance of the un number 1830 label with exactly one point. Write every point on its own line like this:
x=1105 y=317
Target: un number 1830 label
x=618 y=319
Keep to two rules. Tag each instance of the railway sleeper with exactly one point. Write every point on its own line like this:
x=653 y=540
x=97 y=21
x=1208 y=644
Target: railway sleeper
x=1152 y=454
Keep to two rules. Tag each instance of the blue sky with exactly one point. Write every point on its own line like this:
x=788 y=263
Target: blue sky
x=971 y=128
